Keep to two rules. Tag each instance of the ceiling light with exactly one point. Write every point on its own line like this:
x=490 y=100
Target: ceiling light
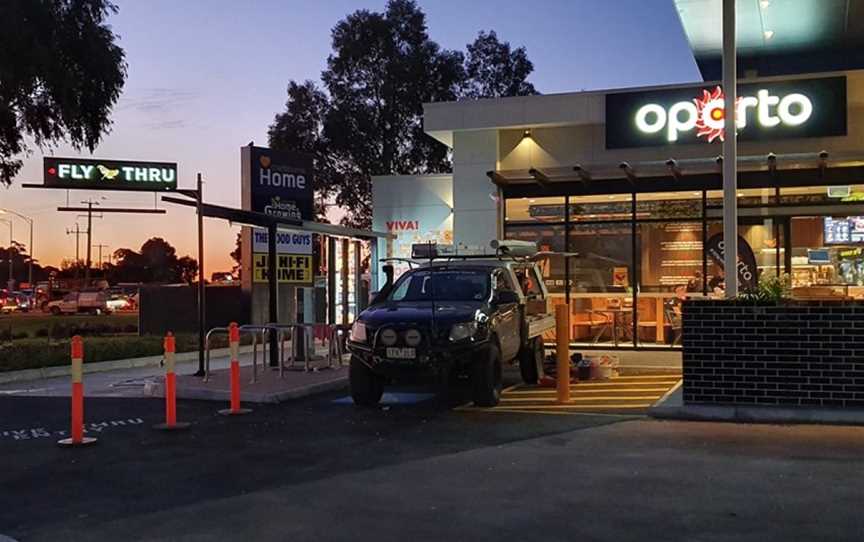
x=764 y=3
x=768 y=34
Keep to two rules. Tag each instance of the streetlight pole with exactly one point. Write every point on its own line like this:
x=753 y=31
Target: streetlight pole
x=730 y=152
x=11 y=282
x=30 y=248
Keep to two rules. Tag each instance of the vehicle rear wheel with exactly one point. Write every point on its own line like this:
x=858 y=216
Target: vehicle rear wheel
x=531 y=360
x=486 y=378
x=366 y=387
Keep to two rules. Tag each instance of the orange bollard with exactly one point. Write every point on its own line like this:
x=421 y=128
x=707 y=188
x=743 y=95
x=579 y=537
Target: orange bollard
x=77 y=430
x=562 y=350
x=171 y=423
x=234 y=345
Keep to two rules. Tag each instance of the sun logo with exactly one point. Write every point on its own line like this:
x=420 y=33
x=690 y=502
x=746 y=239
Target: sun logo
x=108 y=174
x=710 y=114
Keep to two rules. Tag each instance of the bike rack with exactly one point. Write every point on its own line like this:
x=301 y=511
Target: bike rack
x=336 y=334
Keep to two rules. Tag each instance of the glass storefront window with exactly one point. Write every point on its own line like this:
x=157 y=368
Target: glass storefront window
x=596 y=208
x=535 y=209
x=549 y=239
x=601 y=283
x=670 y=267
x=827 y=258
x=765 y=237
x=747 y=197
x=668 y=205
x=822 y=194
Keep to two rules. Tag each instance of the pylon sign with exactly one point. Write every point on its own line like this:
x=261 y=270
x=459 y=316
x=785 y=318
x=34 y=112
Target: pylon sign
x=123 y=175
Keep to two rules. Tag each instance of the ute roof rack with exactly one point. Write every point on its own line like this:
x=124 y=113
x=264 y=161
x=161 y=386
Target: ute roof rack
x=504 y=250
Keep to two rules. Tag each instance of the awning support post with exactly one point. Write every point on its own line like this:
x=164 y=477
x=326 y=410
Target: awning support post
x=273 y=295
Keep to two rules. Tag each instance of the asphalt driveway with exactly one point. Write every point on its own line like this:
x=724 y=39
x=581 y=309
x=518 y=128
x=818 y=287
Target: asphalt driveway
x=320 y=469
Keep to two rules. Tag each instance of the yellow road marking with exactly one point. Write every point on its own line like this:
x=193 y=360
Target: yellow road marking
x=647 y=377
x=548 y=412
x=574 y=389
x=579 y=407
x=581 y=399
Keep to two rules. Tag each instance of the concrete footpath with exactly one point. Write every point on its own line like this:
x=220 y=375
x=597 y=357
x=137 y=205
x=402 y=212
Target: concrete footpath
x=125 y=379
x=672 y=407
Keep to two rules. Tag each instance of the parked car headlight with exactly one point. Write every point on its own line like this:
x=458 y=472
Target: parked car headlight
x=462 y=331
x=388 y=337
x=412 y=337
x=358 y=332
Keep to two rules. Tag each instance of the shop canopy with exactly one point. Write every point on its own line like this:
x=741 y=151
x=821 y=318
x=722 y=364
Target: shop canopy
x=763 y=171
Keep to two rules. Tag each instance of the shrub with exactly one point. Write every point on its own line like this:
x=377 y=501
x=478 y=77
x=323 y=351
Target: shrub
x=32 y=353
x=771 y=289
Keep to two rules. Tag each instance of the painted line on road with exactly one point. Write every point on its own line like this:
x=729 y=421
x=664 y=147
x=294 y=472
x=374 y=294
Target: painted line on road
x=34 y=433
x=554 y=412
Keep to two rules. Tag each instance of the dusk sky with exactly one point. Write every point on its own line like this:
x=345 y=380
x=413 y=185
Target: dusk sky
x=208 y=76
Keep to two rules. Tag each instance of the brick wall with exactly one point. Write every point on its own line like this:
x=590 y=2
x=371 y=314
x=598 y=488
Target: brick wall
x=804 y=353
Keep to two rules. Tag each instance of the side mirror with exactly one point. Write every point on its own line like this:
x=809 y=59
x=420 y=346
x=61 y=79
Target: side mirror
x=506 y=297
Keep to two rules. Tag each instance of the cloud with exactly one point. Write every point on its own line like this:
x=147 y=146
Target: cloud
x=172 y=124
x=156 y=100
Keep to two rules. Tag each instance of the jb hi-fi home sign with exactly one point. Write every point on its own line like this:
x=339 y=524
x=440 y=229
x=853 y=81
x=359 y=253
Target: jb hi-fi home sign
x=763 y=111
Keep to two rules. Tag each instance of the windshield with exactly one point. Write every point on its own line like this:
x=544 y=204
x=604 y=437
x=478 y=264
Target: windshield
x=442 y=286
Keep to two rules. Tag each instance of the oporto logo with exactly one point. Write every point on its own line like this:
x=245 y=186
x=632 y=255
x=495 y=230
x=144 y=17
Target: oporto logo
x=707 y=114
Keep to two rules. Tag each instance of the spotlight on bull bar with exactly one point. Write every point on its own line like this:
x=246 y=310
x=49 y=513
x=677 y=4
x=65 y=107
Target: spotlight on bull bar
x=509 y=247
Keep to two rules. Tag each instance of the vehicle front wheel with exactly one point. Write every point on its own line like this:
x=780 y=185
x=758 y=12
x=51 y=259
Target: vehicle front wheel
x=486 y=378
x=531 y=360
x=55 y=311
x=366 y=387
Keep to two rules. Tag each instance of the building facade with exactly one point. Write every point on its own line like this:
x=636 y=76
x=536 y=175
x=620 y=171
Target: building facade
x=630 y=181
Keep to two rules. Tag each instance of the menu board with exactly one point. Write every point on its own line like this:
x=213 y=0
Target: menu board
x=847 y=230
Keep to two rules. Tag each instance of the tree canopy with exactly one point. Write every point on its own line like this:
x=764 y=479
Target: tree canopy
x=367 y=119
x=493 y=70
x=61 y=72
x=156 y=261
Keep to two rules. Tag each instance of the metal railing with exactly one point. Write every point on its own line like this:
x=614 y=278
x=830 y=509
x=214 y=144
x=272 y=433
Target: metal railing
x=335 y=337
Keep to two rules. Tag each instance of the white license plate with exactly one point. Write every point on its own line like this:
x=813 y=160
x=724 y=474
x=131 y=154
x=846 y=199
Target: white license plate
x=401 y=353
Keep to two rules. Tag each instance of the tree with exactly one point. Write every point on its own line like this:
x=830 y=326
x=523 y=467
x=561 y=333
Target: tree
x=382 y=69
x=493 y=70
x=157 y=261
x=188 y=269
x=237 y=256
x=301 y=128
x=20 y=264
x=367 y=119
x=61 y=72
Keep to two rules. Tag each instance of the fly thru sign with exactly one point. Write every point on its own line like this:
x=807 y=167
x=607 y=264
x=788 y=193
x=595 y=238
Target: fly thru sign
x=123 y=175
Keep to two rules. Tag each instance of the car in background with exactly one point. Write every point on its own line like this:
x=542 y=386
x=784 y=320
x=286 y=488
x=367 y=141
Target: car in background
x=80 y=302
x=16 y=302
x=119 y=302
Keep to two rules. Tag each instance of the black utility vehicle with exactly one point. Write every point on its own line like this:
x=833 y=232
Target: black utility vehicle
x=454 y=314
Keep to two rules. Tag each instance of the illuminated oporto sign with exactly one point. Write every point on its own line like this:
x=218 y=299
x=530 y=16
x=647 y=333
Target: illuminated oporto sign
x=764 y=111
x=109 y=174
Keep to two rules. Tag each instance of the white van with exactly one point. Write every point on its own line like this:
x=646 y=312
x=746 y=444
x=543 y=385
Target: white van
x=80 y=302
